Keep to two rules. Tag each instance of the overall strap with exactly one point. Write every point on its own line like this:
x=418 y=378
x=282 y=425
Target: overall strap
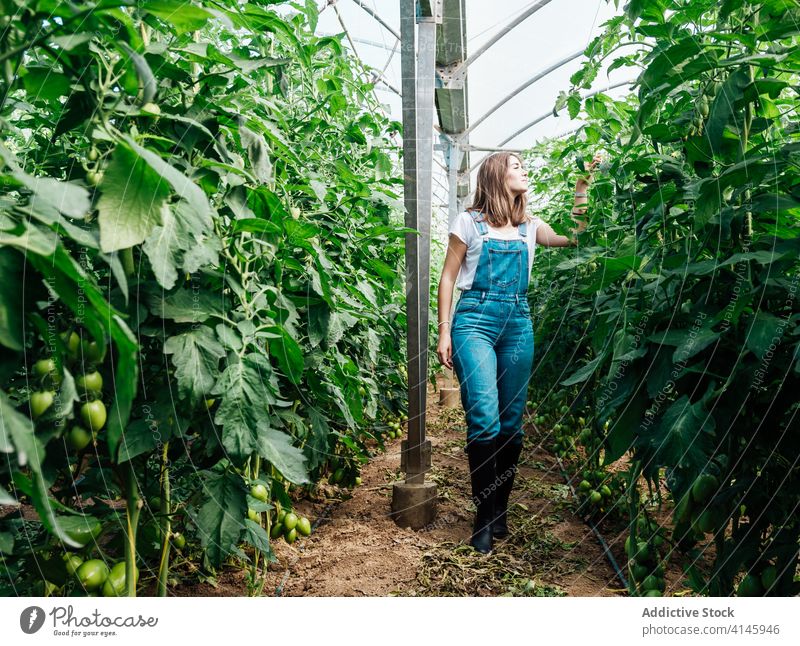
x=523 y=229
x=483 y=230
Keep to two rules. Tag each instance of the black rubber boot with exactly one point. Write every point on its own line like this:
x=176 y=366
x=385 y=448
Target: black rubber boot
x=506 y=466
x=482 y=474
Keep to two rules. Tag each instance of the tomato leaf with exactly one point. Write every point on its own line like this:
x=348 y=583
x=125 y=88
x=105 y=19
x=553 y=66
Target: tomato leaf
x=132 y=202
x=766 y=329
x=183 y=306
x=182 y=15
x=220 y=519
x=289 y=355
x=683 y=437
x=276 y=447
x=5 y=497
x=256 y=535
x=12 y=331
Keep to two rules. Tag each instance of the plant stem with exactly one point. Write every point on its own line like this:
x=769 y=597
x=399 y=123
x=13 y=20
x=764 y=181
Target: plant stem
x=166 y=524
x=133 y=506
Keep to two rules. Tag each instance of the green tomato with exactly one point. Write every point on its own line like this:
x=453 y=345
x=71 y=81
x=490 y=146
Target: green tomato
x=290 y=521
x=642 y=552
x=629 y=548
x=707 y=521
x=40 y=402
x=358 y=481
x=44 y=367
x=253 y=515
x=639 y=572
x=72 y=562
x=73 y=344
x=290 y=535
x=94 y=415
x=90 y=382
x=769 y=576
x=115 y=583
x=651 y=583
x=750 y=587
x=259 y=492
x=179 y=540
x=94 y=352
x=79 y=438
x=704 y=486
x=82 y=530
x=595 y=497
x=92 y=574
x=303 y=526
x=276 y=531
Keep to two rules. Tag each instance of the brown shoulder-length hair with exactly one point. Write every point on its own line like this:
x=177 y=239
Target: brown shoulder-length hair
x=492 y=197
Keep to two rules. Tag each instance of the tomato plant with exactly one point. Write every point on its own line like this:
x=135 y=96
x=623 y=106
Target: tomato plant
x=258 y=251
x=681 y=300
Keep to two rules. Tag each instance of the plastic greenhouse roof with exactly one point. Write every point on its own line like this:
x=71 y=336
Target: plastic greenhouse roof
x=558 y=29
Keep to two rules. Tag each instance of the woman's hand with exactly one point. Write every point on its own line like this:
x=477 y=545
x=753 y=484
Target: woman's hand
x=445 y=349
x=583 y=182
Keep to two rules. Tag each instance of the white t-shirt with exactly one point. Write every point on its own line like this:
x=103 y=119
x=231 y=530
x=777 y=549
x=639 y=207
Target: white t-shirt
x=465 y=228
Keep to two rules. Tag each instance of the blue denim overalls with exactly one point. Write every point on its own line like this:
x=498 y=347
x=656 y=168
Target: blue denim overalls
x=492 y=337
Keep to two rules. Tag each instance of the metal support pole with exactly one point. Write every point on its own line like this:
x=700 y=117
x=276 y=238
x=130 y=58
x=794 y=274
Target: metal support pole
x=414 y=501
x=416 y=464
x=454 y=155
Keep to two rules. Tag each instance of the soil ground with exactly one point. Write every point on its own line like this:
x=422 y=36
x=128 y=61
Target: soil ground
x=358 y=550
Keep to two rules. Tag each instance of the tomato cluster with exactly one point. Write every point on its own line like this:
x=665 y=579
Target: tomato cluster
x=645 y=563
x=282 y=522
x=394 y=425
x=83 y=358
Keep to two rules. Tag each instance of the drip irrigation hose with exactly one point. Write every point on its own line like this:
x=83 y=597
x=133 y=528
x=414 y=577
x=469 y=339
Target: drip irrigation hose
x=592 y=526
x=322 y=517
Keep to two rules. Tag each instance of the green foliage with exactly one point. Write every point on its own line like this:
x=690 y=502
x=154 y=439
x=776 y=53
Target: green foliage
x=679 y=309
x=207 y=192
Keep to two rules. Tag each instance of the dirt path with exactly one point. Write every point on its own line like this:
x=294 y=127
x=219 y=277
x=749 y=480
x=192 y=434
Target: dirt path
x=357 y=550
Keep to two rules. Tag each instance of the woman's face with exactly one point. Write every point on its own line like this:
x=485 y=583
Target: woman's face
x=516 y=176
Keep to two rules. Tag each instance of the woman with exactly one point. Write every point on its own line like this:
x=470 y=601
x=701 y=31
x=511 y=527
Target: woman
x=490 y=341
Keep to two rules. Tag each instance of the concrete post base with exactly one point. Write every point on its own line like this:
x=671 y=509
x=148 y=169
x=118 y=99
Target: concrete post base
x=414 y=505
